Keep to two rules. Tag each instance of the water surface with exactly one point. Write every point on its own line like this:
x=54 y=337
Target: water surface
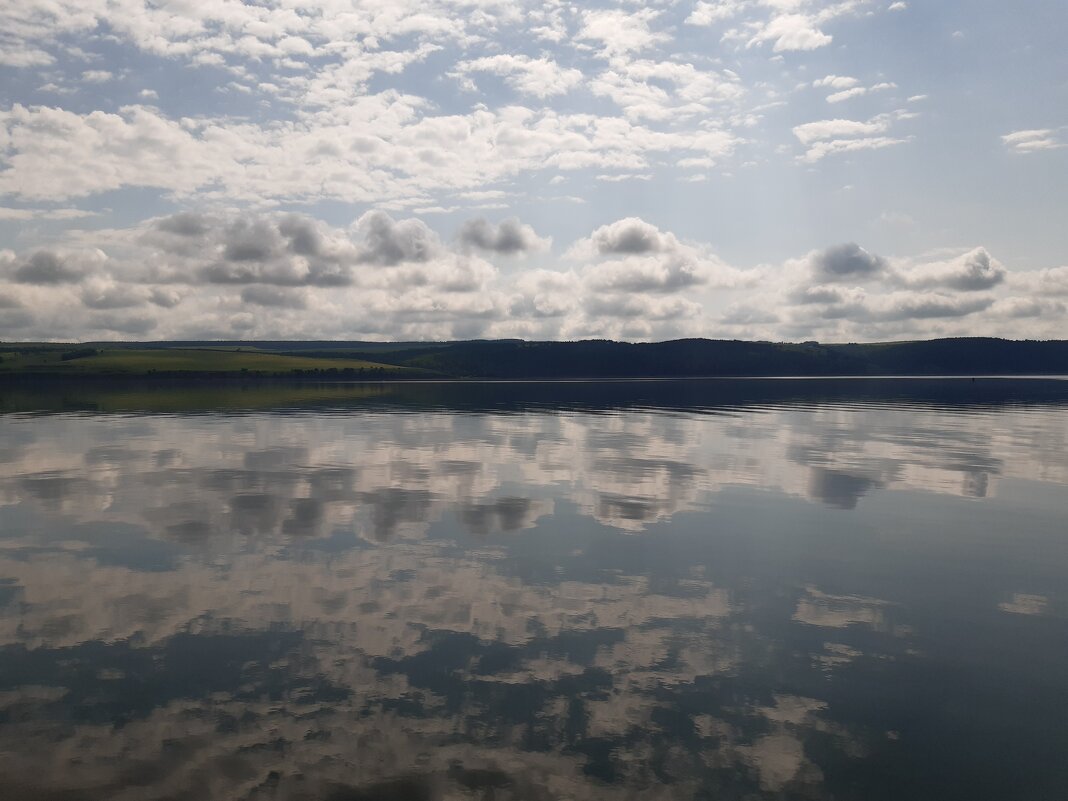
x=647 y=590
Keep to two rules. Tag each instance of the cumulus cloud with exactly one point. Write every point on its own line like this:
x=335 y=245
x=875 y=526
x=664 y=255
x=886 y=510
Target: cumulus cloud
x=634 y=256
x=647 y=274
x=387 y=242
x=49 y=267
x=791 y=32
x=108 y=295
x=846 y=292
x=621 y=31
x=285 y=250
x=195 y=275
x=636 y=306
x=972 y=271
x=507 y=237
x=1051 y=281
x=631 y=236
x=540 y=77
x=709 y=13
x=846 y=263
x=542 y=294
x=186 y=224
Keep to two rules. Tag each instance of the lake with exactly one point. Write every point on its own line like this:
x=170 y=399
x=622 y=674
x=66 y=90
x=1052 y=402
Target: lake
x=808 y=589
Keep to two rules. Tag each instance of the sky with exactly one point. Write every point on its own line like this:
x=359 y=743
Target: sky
x=786 y=170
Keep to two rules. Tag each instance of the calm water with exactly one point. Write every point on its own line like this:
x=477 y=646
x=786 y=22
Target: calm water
x=716 y=590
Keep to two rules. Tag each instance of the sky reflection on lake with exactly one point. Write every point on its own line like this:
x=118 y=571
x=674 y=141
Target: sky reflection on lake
x=849 y=595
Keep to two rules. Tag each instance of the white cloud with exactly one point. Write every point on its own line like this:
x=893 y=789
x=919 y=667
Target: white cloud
x=380 y=148
x=706 y=13
x=621 y=31
x=541 y=77
x=352 y=104
x=827 y=137
x=196 y=274
x=837 y=82
x=971 y=271
x=791 y=32
x=858 y=91
x=1032 y=141
x=826 y=148
x=27 y=215
x=508 y=237
x=97 y=76
x=811 y=132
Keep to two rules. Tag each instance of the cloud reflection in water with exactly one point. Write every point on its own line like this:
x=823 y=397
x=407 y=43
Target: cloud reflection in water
x=778 y=602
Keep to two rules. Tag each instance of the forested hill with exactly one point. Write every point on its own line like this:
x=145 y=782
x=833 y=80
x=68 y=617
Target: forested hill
x=703 y=357
x=517 y=359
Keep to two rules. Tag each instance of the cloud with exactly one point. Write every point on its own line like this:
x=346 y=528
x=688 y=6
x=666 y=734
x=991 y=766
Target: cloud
x=28 y=215
x=186 y=224
x=791 y=32
x=709 y=13
x=633 y=256
x=1018 y=308
x=842 y=291
x=831 y=295
x=847 y=262
x=202 y=274
x=811 y=132
x=540 y=77
x=639 y=307
x=136 y=326
x=858 y=91
x=284 y=250
x=375 y=149
x=58 y=154
x=507 y=237
x=1050 y=281
x=825 y=137
x=836 y=82
x=1033 y=141
x=273 y=297
x=631 y=236
x=822 y=149
x=655 y=275
x=927 y=306
x=106 y=295
x=250 y=240
x=48 y=267
x=387 y=242
x=97 y=76
x=972 y=271
x=545 y=294
x=621 y=31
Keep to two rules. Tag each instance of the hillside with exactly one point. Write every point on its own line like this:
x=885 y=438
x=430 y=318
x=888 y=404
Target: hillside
x=517 y=359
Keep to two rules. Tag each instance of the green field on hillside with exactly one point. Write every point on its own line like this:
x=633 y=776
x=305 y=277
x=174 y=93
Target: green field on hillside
x=206 y=360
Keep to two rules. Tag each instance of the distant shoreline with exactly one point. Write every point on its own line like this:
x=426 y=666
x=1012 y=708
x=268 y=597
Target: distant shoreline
x=236 y=379
x=518 y=360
